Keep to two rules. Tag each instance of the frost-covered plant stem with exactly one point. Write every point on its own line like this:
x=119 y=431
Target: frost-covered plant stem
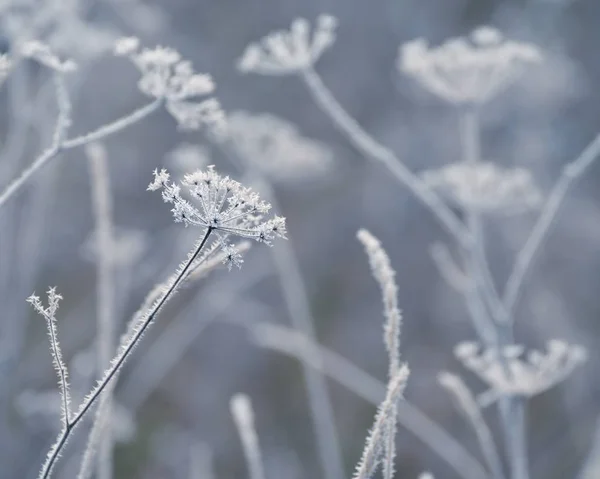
x=373 y=150
x=243 y=416
x=124 y=352
x=511 y=409
x=570 y=173
x=105 y=337
x=59 y=143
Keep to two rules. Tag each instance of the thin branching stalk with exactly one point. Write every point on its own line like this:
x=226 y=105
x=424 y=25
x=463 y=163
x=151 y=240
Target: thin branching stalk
x=292 y=343
x=243 y=416
x=386 y=277
x=570 y=173
x=371 y=149
x=60 y=144
x=470 y=409
x=124 y=352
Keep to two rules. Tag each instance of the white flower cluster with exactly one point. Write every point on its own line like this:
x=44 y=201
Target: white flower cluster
x=485 y=187
x=289 y=51
x=276 y=147
x=42 y=54
x=225 y=207
x=166 y=76
x=510 y=371
x=467 y=70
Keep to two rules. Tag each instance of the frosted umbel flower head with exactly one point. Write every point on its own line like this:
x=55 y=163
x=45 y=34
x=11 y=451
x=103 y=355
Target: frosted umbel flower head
x=166 y=76
x=289 y=51
x=513 y=371
x=467 y=70
x=224 y=206
x=276 y=147
x=485 y=187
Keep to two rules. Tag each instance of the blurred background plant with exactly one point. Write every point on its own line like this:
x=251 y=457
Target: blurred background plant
x=173 y=397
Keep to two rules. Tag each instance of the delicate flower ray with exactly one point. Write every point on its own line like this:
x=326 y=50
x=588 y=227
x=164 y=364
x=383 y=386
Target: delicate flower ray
x=166 y=76
x=42 y=53
x=276 y=147
x=467 y=70
x=535 y=373
x=485 y=187
x=289 y=51
x=225 y=206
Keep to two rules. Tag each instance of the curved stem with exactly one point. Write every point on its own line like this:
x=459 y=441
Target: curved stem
x=371 y=149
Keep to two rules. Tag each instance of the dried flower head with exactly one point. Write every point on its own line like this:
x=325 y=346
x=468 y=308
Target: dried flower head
x=485 y=187
x=276 y=147
x=166 y=76
x=289 y=51
x=224 y=206
x=467 y=70
x=513 y=371
x=42 y=53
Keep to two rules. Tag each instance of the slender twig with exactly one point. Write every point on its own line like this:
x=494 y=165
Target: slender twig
x=101 y=435
x=59 y=144
x=118 y=361
x=243 y=416
x=469 y=408
x=570 y=173
x=371 y=149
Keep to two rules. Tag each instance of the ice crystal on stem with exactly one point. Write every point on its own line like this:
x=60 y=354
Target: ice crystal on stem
x=289 y=51
x=509 y=371
x=166 y=76
x=485 y=187
x=224 y=206
x=467 y=70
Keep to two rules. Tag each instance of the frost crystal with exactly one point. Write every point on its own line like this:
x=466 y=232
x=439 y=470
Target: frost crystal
x=507 y=372
x=166 y=76
x=224 y=206
x=485 y=187
x=289 y=51
x=467 y=70
x=42 y=53
x=276 y=147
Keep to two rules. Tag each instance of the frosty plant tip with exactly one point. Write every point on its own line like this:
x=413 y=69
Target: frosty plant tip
x=224 y=207
x=467 y=70
x=289 y=51
x=166 y=76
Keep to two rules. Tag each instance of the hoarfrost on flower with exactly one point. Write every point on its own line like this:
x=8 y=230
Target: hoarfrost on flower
x=276 y=147
x=467 y=70
x=223 y=206
x=514 y=371
x=166 y=76
x=289 y=51
x=485 y=187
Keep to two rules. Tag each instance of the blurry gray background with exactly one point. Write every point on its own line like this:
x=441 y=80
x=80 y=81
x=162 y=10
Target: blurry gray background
x=545 y=120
